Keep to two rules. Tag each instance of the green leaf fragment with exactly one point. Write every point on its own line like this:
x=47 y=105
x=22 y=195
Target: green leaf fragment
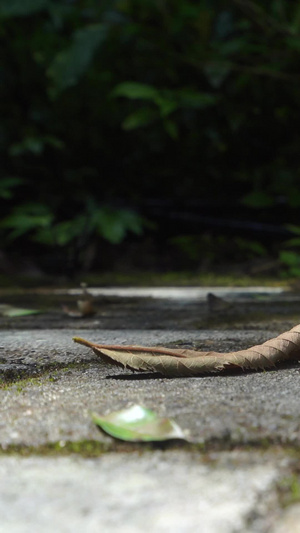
x=7 y=185
x=72 y=62
x=138 y=424
x=141 y=117
x=135 y=91
x=10 y=311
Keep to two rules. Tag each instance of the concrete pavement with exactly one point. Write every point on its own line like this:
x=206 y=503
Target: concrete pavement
x=58 y=472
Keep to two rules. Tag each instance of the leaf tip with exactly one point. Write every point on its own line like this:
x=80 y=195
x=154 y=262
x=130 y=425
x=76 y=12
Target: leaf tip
x=79 y=340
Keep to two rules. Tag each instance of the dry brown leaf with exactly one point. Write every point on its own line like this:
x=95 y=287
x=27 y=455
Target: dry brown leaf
x=85 y=306
x=217 y=304
x=178 y=362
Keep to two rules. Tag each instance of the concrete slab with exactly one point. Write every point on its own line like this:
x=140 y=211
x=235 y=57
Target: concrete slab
x=36 y=349
x=181 y=293
x=289 y=521
x=133 y=493
x=135 y=489
x=234 y=409
x=229 y=410
x=154 y=308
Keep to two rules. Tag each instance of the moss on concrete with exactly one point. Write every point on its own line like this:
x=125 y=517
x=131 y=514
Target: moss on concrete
x=24 y=377
x=289 y=489
x=289 y=486
x=85 y=448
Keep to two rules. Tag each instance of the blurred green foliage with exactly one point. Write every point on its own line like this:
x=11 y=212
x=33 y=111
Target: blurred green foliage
x=106 y=103
x=290 y=254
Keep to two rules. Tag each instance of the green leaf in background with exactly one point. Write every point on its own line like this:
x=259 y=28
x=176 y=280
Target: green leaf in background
x=293 y=228
x=166 y=102
x=60 y=234
x=114 y=224
x=69 y=64
x=9 y=311
x=7 y=185
x=136 y=91
x=32 y=145
x=195 y=99
x=35 y=145
x=291 y=260
x=137 y=424
x=141 y=117
x=26 y=218
x=171 y=128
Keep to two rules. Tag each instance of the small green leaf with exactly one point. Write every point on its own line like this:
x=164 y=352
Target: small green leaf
x=7 y=185
x=113 y=224
x=293 y=228
x=26 y=218
x=197 y=100
x=137 y=424
x=292 y=242
x=133 y=90
x=166 y=105
x=291 y=259
x=72 y=62
x=28 y=145
x=10 y=311
x=141 y=117
x=171 y=128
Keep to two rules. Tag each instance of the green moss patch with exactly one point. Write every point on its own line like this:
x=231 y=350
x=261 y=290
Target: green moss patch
x=24 y=378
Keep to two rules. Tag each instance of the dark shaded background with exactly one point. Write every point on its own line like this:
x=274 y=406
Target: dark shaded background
x=149 y=135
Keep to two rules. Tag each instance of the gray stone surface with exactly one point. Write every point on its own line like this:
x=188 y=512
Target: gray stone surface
x=226 y=409
x=32 y=350
x=289 y=520
x=240 y=409
x=151 y=492
x=183 y=293
x=50 y=385
x=167 y=308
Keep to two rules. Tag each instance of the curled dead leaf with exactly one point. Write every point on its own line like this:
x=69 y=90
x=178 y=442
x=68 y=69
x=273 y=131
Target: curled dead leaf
x=181 y=362
x=85 y=305
x=217 y=304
